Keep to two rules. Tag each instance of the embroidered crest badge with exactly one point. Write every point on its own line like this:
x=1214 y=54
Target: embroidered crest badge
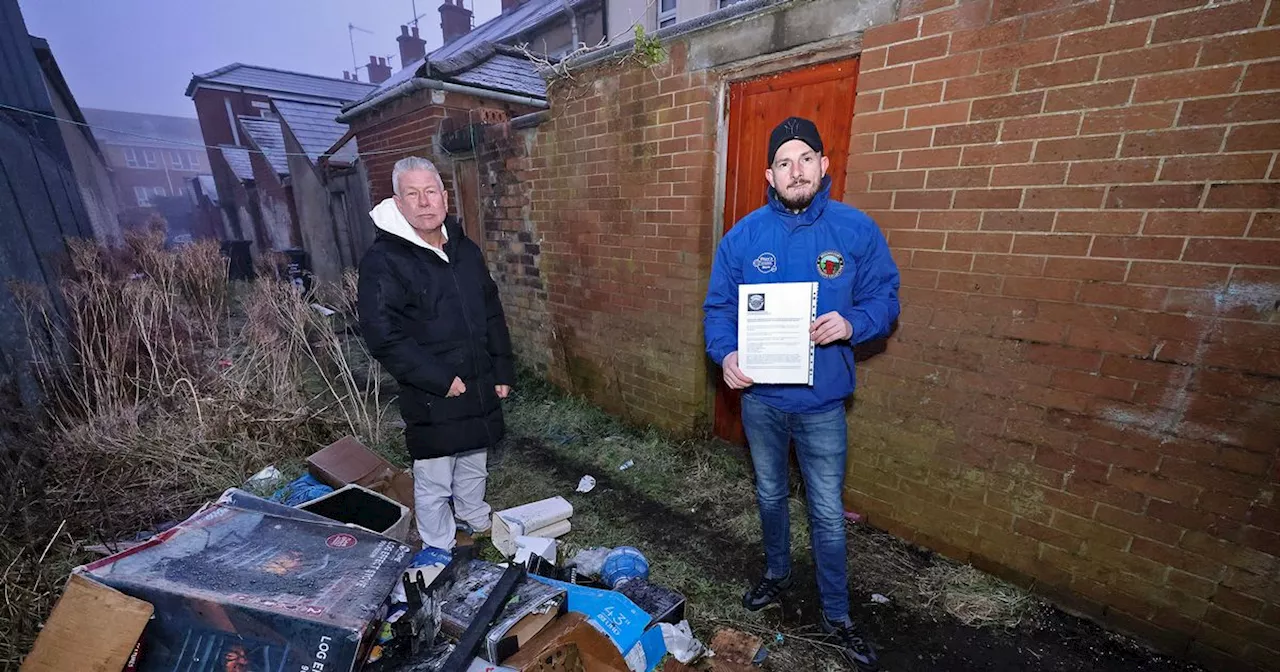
x=766 y=263
x=830 y=264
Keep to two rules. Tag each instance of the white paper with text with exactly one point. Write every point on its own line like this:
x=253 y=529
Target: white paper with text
x=773 y=332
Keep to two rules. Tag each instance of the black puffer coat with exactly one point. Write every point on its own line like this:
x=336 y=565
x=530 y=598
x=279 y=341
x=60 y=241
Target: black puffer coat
x=427 y=320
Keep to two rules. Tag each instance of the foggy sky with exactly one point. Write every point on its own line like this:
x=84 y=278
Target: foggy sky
x=139 y=55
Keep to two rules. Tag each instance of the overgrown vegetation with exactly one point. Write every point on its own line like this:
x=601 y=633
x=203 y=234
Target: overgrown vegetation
x=165 y=384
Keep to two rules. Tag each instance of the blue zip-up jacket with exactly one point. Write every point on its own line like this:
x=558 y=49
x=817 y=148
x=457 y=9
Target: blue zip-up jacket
x=830 y=243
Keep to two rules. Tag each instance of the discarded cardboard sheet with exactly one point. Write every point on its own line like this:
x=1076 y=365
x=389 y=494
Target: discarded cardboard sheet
x=347 y=461
x=93 y=628
x=735 y=648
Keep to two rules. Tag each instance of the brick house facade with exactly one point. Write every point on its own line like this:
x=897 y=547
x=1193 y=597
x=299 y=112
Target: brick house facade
x=1083 y=198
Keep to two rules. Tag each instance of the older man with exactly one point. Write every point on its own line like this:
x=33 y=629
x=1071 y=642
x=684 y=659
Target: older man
x=430 y=314
x=802 y=235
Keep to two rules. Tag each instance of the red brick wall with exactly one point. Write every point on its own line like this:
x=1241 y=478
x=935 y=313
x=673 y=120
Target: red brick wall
x=211 y=110
x=408 y=127
x=1084 y=390
x=512 y=242
x=623 y=184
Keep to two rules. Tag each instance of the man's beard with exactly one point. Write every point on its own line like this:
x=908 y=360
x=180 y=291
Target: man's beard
x=801 y=201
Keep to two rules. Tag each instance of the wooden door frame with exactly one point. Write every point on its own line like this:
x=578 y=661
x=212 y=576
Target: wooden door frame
x=762 y=66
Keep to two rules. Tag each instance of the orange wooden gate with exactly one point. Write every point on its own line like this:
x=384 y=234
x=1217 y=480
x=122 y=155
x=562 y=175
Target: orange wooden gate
x=823 y=93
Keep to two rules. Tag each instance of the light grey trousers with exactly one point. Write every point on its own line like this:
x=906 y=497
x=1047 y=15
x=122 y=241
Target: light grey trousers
x=461 y=476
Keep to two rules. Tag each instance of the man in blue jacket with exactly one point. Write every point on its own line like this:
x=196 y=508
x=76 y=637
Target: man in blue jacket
x=802 y=235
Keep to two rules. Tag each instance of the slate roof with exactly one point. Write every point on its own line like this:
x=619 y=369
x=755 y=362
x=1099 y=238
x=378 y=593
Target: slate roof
x=116 y=127
x=238 y=159
x=498 y=68
x=503 y=27
x=313 y=125
x=501 y=72
x=346 y=153
x=282 y=81
x=267 y=135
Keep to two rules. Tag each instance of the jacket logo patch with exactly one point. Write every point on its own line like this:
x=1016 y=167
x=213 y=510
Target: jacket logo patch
x=830 y=264
x=766 y=263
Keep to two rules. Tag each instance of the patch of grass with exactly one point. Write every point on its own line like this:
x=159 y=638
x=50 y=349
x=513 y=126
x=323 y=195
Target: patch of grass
x=974 y=598
x=689 y=505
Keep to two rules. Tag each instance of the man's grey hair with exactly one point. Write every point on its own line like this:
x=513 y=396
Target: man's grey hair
x=409 y=163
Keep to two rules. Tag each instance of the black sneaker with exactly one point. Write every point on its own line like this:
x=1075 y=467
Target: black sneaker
x=856 y=650
x=765 y=593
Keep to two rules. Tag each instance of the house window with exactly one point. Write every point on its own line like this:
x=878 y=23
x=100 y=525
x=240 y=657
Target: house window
x=175 y=160
x=143 y=196
x=149 y=158
x=159 y=191
x=131 y=158
x=666 y=13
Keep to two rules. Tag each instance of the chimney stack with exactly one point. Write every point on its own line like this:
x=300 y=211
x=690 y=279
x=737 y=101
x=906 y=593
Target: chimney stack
x=379 y=71
x=412 y=47
x=455 y=20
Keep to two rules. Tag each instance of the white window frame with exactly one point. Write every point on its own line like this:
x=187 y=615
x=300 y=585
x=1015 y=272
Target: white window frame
x=668 y=17
x=131 y=157
x=149 y=158
x=142 y=196
x=175 y=159
x=191 y=161
x=159 y=191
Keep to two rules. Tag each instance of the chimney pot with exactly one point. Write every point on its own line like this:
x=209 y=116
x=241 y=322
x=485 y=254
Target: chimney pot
x=412 y=46
x=379 y=71
x=455 y=20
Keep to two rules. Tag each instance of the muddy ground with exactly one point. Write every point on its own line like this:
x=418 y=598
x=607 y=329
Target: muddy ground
x=689 y=506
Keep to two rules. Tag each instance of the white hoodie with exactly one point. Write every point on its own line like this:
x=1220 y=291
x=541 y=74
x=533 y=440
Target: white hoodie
x=387 y=216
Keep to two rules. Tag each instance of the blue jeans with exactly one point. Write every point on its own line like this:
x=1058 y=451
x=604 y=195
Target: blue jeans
x=821 y=446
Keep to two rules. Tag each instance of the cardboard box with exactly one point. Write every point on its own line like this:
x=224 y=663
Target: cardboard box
x=625 y=624
x=359 y=506
x=236 y=584
x=568 y=640
x=531 y=608
x=347 y=461
x=547 y=518
x=92 y=628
